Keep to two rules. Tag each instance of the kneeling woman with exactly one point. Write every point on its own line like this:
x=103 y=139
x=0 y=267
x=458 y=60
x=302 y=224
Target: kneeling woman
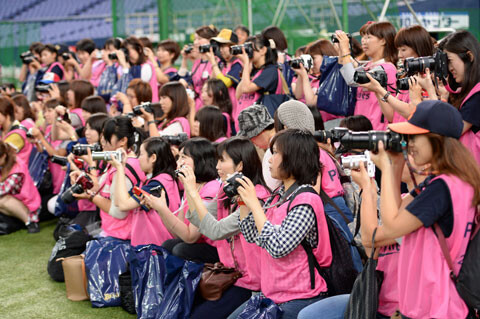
x=158 y=164
x=294 y=214
x=18 y=195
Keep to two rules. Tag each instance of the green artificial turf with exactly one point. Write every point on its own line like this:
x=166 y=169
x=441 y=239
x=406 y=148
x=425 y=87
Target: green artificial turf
x=26 y=290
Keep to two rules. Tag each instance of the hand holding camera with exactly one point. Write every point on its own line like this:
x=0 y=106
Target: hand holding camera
x=117 y=158
x=186 y=175
x=154 y=202
x=248 y=194
x=82 y=183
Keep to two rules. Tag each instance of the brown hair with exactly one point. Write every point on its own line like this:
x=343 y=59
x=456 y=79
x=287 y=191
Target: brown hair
x=274 y=33
x=451 y=157
x=171 y=47
x=94 y=104
x=7 y=107
x=386 y=31
x=10 y=158
x=146 y=42
x=142 y=89
x=321 y=47
x=21 y=101
x=52 y=103
x=212 y=122
x=135 y=43
x=177 y=93
x=81 y=89
x=207 y=31
x=415 y=37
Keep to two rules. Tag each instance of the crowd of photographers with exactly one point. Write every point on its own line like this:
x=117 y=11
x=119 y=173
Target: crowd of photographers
x=235 y=158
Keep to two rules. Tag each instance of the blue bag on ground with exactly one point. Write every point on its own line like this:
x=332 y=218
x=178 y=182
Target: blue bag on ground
x=37 y=166
x=334 y=95
x=261 y=307
x=105 y=260
x=163 y=285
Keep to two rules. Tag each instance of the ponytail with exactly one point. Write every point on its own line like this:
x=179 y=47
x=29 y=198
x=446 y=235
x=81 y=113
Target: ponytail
x=122 y=127
x=271 y=55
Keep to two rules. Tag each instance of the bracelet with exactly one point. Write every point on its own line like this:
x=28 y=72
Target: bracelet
x=152 y=122
x=345 y=55
x=385 y=97
x=91 y=168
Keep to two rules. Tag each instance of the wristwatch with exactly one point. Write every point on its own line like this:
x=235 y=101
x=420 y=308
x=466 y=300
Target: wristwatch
x=385 y=97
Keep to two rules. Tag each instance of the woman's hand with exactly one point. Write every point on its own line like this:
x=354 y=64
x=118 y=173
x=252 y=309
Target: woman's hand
x=36 y=133
x=116 y=162
x=248 y=193
x=441 y=90
x=73 y=166
x=147 y=116
x=373 y=85
x=60 y=110
x=150 y=55
x=54 y=91
x=301 y=72
x=414 y=90
x=211 y=56
x=121 y=59
x=122 y=97
x=244 y=57
x=425 y=80
x=384 y=159
x=361 y=177
x=187 y=177
x=157 y=203
x=343 y=42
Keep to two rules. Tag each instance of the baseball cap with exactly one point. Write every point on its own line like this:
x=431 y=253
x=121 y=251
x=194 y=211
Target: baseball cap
x=226 y=36
x=432 y=116
x=253 y=120
x=50 y=77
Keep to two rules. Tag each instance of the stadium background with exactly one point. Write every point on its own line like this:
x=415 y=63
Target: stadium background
x=67 y=21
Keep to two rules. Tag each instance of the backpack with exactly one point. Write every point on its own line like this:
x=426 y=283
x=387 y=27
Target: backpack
x=467 y=281
x=341 y=274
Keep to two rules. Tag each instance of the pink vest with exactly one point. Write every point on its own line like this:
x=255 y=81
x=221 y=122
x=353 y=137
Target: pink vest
x=330 y=177
x=246 y=254
x=288 y=278
x=183 y=122
x=148 y=228
x=245 y=101
x=153 y=83
x=28 y=195
x=59 y=65
x=208 y=192
x=405 y=97
x=97 y=69
x=200 y=74
x=28 y=123
x=111 y=226
x=58 y=174
x=229 y=125
x=388 y=295
x=78 y=111
x=424 y=284
x=367 y=103
x=232 y=90
x=470 y=139
x=24 y=154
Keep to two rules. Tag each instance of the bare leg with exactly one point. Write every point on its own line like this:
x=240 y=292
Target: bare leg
x=11 y=206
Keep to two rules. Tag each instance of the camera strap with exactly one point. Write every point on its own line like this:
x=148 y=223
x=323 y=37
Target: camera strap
x=290 y=192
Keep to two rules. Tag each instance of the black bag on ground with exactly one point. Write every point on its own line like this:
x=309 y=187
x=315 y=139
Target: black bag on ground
x=74 y=243
x=363 y=302
x=340 y=275
x=126 y=292
x=9 y=224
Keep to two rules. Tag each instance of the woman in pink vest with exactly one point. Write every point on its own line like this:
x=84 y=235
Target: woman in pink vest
x=158 y=164
x=12 y=132
x=49 y=58
x=214 y=92
x=292 y=215
x=200 y=155
x=174 y=104
x=210 y=124
x=463 y=51
x=118 y=133
x=23 y=111
x=19 y=197
x=446 y=206
x=219 y=222
x=77 y=92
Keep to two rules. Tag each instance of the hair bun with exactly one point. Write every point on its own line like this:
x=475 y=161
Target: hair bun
x=272 y=44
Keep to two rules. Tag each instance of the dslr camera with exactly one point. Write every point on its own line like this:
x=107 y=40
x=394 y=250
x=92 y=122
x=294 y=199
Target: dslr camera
x=353 y=162
x=305 y=59
x=334 y=38
x=402 y=83
x=237 y=49
x=82 y=149
x=27 y=57
x=335 y=135
x=60 y=160
x=42 y=87
x=231 y=187
x=83 y=183
x=113 y=56
x=369 y=140
x=438 y=64
x=378 y=73
x=189 y=49
x=176 y=139
x=107 y=155
x=147 y=106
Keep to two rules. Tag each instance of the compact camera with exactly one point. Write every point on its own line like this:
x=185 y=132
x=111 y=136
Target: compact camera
x=113 y=56
x=107 y=155
x=188 y=49
x=83 y=183
x=378 y=73
x=231 y=187
x=237 y=49
x=305 y=59
x=82 y=149
x=353 y=162
x=43 y=88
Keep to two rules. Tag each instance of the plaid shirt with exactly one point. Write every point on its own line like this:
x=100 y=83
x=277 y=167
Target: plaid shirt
x=280 y=240
x=12 y=185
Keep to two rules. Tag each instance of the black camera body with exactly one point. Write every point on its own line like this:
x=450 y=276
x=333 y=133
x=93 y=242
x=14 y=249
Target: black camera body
x=438 y=64
x=305 y=59
x=334 y=38
x=113 y=56
x=81 y=149
x=42 y=88
x=231 y=187
x=237 y=49
x=27 y=57
x=335 y=135
x=204 y=48
x=188 y=49
x=176 y=139
x=369 y=140
x=66 y=56
x=83 y=183
x=402 y=84
x=378 y=73
x=60 y=160
x=147 y=106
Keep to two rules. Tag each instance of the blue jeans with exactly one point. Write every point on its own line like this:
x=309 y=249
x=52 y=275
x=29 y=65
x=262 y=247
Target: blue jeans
x=343 y=227
x=328 y=308
x=290 y=308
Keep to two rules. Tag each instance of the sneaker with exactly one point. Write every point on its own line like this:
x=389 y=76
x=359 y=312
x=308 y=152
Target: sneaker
x=33 y=227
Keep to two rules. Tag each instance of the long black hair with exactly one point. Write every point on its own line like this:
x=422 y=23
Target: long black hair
x=271 y=55
x=121 y=126
x=204 y=156
x=165 y=162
